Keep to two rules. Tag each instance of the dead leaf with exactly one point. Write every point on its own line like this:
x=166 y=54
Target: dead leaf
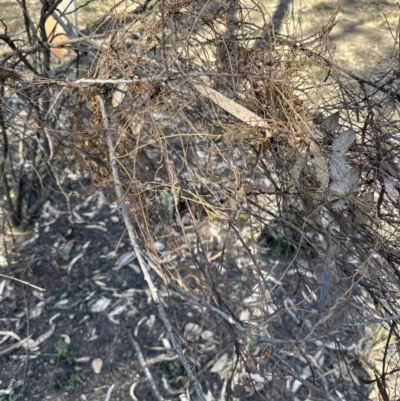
x=233 y=108
x=343 y=142
x=331 y=122
x=247 y=383
x=119 y=94
x=100 y=305
x=221 y=366
x=192 y=330
x=347 y=182
x=66 y=338
x=124 y=259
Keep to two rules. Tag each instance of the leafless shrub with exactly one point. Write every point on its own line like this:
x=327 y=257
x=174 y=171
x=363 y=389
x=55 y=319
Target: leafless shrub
x=232 y=141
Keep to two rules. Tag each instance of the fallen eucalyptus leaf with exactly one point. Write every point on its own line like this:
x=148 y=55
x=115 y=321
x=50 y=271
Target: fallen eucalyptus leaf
x=166 y=343
x=221 y=365
x=346 y=184
x=124 y=259
x=100 y=305
x=338 y=168
x=343 y=142
x=37 y=310
x=192 y=330
x=119 y=94
x=233 y=108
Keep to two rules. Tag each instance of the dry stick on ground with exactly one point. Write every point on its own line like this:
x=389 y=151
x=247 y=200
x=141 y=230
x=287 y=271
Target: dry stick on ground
x=109 y=392
x=23 y=282
x=146 y=370
x=327 y=280
x=142 y=263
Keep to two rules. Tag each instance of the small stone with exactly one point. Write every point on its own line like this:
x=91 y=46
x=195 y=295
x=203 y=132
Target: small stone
x=114 y=219
x=97 y=365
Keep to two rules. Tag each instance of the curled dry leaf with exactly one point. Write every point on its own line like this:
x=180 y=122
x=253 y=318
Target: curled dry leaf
x=124 y=260
x=116 y=311
x=150 y=321
x=132 y=391
x=66 y=338
x=221 y=366
x=109 y=392
x=34 y=344
x=161 y=358
x=192 y=330
x=166 y=343
x=65 y=250
x=37 y=310
x=100 y=305
x=73 y=261
x=61 y=304
x=97 y=365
